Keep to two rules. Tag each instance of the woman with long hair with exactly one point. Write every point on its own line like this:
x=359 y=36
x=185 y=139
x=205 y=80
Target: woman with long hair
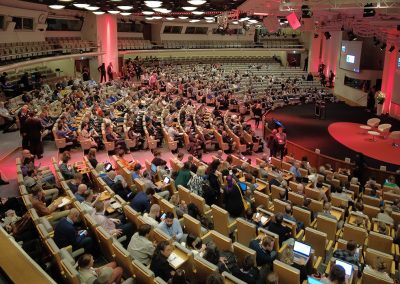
x=159 y=262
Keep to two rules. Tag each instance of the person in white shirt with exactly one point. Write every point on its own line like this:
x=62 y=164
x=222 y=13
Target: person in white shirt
x=112 y=225
x=88 y=203
x=140 y=248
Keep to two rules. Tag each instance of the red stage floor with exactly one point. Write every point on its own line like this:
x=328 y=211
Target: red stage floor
x=350 y=135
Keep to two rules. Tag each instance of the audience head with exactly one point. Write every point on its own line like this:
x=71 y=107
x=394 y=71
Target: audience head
x=144 y=230
x=179 y=277
x=215 y=278
x=272 y=278
x=169 y=218
x=66 y=156
x=111 y=174
x=99 y=206
x=193 y=242
x=288 y=209
x=155 y=210
x=82 y=188
x=211 y=253
x=186 y=166
x=85 y=261
x=78 y=177
x=73 y=215
x=380 y=264
x=150 y=192
x=300 y=188
x=279 y=218
x=267 y=243
x=337 y=274
x=180 y=156
x=163 y=249
x=201 y=171
x=351 y=246
x=137 y=167
x=248 y=263
x=327 y=206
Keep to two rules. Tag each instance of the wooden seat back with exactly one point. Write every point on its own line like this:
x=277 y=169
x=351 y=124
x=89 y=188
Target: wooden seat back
x=286 y=273
x=192 y=225
x=327 y=226
x=246 y=231
x=143 y=274
x=317 y=240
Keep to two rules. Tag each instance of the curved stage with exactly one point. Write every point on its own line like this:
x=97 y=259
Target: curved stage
x=339 y=135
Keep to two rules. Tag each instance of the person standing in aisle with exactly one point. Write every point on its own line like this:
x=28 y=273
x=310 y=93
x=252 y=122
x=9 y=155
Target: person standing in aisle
x=102 y=70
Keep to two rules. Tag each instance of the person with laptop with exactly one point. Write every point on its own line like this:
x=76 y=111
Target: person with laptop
x=265 y=253
x=349 y=254
x=282 y=231
x=337 y=275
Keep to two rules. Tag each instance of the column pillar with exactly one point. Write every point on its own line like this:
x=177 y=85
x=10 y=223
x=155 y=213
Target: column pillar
x=314 y=53
x=391 y=83
x=107 y=38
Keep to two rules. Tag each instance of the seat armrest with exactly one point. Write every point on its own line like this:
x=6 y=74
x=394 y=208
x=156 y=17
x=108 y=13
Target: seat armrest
x=78 y=252
x=317 y=264
x=282 y=248
x=299 y=235
x=329 y=246
x=122 y=239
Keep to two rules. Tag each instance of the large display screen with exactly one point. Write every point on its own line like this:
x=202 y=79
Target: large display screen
x=350 y=55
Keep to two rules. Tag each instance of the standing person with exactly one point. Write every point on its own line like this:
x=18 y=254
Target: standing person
x=102 y=70
x=110 y=71
x=257 y=114
x=331 y=77
x=22 y=117
x=33 y=130
x=233 y=198
x=280 y=140
x=371 y=100
x=271 y=143
x=305 y=68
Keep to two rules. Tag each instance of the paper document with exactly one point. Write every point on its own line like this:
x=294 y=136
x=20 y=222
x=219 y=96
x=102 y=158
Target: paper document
x=174 y=260
x=64 y=202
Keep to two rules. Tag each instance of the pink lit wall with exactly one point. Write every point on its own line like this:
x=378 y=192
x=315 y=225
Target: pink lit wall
x=390 y=84
x=107 y=36
x=314 y=54
x=330 y=51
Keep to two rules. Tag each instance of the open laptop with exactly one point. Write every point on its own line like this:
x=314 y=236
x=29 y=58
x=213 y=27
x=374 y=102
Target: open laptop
x=242 y=186
x=154 y=168
x=301 y=252
x=348 y=267
x=311 y=280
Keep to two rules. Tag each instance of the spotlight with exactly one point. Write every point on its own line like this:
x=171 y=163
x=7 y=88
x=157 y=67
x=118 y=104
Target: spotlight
x=369 y=11
x=306 y=12
x=316 y=35
x=391 y=48
x=383 y=46
x=327 y=35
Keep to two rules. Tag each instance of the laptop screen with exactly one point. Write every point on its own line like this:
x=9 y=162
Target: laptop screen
x=311 y=280
x=347 y=267
x=153 y=168
x=242 y=186
x=302 y=248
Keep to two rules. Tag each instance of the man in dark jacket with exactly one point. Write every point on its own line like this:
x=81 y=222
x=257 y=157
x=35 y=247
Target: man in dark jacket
x=276 y=227
x=33 y=128
x=65 y=233
x=264 y=248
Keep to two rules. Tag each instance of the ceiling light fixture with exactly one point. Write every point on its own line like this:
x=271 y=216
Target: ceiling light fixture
x=81 y=5
x=244 y=19
x=210 y=21
x=98 y=12
x=189 y=8
x=157 y=18
x=56 y=7
x=194 y=21
x=149 y=18
x=196 y=2
x=92 y=8
x=197 y=12
x=162 y=10
x=183 y=17
x=114 y=12
x=125 y=13
x=125 y=8
x=170 y=18
x=208 y=18
x=147 y=12
x=153 y=4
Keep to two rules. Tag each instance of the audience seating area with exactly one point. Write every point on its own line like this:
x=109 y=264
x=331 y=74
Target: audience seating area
x=129 y=44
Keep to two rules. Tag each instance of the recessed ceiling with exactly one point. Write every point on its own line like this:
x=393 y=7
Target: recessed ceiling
x=138 y=6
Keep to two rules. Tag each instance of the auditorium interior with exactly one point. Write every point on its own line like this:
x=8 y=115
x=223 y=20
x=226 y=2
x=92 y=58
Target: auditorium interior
x=200 y=141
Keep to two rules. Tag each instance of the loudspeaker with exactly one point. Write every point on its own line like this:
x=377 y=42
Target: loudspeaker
x=398 y=27
x=9 y=27
x=271 y=23
x=293 y=21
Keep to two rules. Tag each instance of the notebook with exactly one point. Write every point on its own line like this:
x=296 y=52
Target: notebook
x=64 y=201
x=175 y=260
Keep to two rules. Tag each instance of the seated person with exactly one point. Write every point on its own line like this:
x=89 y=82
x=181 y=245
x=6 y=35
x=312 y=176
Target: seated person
x=294 y=169
x=386 y=215
x=194 y=244
x=141 y=201
x=152 y=217
x=337 y=275
x=379 y=270
x=65 y=233
x=287 y=256
x=282 y=231
x=350 y=254
x=172 y=227
x=75 y=182
x=159 y=262
x=264 y=248
x=79 y=194
x=140 y=247
x=112 y=225
x=327 y=213
x=66 y=170
x=109 y=273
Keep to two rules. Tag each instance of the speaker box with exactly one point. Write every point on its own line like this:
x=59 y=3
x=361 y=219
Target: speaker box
x=271 y=23
x=9 y=26
x=293 y=21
